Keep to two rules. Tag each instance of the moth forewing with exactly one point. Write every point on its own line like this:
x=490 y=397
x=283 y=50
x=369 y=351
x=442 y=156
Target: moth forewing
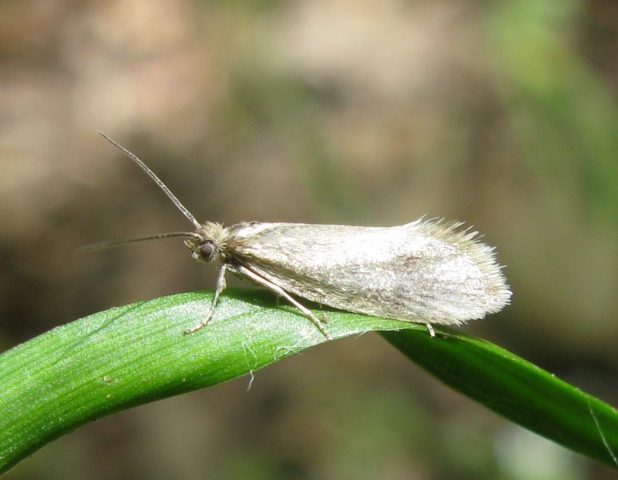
x=425 y=271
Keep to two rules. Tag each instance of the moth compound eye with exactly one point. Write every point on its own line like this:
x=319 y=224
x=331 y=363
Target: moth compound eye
x=207 y=251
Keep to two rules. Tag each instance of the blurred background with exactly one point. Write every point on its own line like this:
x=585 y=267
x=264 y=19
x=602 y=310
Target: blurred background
x=371 y=112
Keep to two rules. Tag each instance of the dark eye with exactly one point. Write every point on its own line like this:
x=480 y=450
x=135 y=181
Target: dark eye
x=207 y=251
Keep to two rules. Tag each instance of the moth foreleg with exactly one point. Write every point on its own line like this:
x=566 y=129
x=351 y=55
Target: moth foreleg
x=281 y=292
x=220 y=287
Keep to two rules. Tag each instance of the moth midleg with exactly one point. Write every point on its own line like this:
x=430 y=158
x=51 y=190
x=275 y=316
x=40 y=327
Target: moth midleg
x=281 y=292
x=221 y=284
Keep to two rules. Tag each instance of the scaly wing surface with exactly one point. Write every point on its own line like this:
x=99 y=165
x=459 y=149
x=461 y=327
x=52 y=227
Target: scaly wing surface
x=424 y=271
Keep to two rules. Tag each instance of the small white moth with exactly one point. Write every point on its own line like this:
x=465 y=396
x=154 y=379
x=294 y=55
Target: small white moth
x=427 y=272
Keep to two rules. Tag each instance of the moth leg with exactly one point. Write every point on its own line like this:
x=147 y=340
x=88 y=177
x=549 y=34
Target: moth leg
x=432 y=332
x=281 y=292
x=220 y=287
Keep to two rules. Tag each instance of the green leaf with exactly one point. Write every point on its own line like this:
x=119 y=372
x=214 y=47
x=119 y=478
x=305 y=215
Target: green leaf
x=139 y=353
x=136 y=354
x=516 y=389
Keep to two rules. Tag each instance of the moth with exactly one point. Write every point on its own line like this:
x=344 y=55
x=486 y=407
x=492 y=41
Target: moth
x=427 y=271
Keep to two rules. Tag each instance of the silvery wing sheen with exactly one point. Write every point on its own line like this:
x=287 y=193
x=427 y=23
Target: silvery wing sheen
x=424 y=271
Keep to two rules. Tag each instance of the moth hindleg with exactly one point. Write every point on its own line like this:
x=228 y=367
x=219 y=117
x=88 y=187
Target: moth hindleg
x=432 y=332
x=281 y=292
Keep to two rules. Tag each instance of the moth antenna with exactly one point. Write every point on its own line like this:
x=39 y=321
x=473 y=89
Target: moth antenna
x=185 y=211
x=118 y=243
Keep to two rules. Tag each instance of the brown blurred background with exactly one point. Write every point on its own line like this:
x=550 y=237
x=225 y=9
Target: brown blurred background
x=371 y=112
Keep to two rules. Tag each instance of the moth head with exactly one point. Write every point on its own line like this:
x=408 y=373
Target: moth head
x=209 y=242
x=204 y=251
